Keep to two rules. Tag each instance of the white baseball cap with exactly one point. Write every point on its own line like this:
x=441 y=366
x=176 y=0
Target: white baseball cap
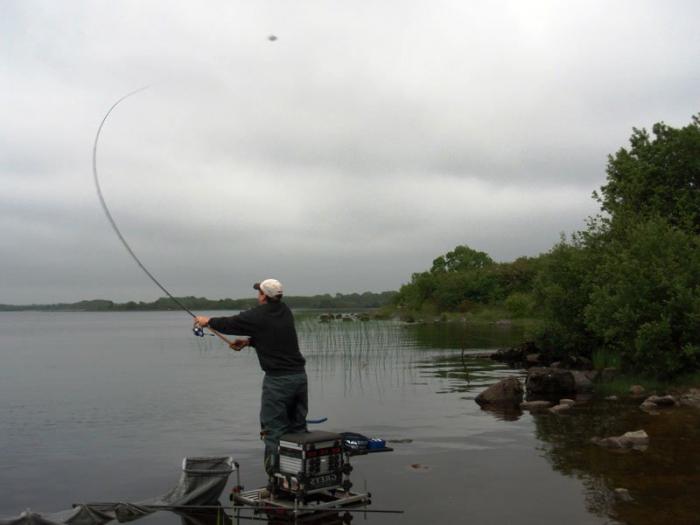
x=270 y=287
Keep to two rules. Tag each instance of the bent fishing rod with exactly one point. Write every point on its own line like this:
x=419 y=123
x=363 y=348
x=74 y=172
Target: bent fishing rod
x=197 y=330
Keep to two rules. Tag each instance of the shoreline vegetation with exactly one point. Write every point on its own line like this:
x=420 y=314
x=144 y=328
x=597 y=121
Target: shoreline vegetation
x=623 y=293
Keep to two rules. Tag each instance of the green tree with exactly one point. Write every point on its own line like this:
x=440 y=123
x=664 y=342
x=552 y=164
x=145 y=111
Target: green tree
x=658 y=175
x=644 y=299
x=562 y=290
x=630 y=282
x=461 y=259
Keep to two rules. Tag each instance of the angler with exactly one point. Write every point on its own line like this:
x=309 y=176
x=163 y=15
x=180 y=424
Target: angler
x=269 y=328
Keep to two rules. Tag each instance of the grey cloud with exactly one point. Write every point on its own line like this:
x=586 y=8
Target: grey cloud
x=368 y=139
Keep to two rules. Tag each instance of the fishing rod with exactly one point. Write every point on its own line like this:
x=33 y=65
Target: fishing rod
x=197 y=330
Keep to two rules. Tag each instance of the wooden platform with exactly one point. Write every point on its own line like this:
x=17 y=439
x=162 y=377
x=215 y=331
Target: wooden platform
x=325 y=502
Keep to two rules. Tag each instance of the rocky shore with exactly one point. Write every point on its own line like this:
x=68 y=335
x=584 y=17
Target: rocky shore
x=555 y=385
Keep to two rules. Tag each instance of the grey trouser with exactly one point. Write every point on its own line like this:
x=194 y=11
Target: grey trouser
x=285 y=403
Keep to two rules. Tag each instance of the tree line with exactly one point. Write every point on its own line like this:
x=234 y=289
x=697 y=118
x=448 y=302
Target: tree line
x=322 y=301
x=627 y=285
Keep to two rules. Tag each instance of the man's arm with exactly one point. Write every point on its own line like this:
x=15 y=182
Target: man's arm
x=241 y=324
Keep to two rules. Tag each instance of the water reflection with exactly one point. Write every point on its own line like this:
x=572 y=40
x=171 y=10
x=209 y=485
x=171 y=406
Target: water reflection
x=664 y=481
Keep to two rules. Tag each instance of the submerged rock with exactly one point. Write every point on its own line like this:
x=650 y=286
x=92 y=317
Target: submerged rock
x=649 y=408
x=653 y=403
x=637 y=440
x=535 y=406
x=691 y=398
x=516 y=354
x=662 y=401
x=623 y=494
x=506 y=392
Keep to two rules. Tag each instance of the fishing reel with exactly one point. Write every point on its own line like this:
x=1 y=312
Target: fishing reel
x=198 y=331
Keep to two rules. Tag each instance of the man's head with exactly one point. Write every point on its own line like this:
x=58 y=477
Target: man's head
x=269 y=291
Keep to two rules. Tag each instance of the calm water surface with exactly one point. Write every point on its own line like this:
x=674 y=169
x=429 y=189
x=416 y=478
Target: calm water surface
x=104 y=406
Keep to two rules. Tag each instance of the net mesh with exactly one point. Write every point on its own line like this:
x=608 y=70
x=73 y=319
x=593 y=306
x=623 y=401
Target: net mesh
x=200 y=484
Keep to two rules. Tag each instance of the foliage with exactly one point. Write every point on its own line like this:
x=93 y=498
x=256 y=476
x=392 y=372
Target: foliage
x=520 y=304
x=605 y=358
x=629 y=285
x=561 y=289
x=657 y=176
x=461 y=259
x=624 y=290
x=465 y=278
x=644 y=298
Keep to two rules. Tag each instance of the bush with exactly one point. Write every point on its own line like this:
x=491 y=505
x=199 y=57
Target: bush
x=519 y=304
x=562 y=289
x=645 y=298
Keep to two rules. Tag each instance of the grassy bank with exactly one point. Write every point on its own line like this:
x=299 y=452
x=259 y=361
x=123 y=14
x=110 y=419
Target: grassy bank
x=478 y=315
x=621 y=384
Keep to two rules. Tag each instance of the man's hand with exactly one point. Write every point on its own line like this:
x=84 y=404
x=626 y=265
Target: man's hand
x=239 y=344
x=201 y=321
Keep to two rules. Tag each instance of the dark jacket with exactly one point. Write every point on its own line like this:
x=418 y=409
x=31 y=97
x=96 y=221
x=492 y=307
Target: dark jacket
x=271 y=329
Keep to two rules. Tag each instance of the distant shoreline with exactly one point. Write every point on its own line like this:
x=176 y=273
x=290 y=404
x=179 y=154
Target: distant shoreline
x=324 y=301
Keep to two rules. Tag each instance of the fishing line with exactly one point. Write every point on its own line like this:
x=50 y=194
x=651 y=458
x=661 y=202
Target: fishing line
x=197 y=329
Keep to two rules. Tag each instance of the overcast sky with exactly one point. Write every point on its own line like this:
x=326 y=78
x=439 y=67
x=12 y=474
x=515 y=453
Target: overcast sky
x=367 y=139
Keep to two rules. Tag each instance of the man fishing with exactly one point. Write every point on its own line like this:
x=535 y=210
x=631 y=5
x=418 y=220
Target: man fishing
x=270 y=330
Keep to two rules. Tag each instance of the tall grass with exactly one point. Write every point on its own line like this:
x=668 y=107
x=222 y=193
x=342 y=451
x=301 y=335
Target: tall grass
x=605 y=358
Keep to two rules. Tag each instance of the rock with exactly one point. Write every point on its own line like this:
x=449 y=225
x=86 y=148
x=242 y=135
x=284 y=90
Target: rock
x=691 y=398
x=623 y=494
x=516 y=354
x=577 y=362
x=649 y=408
x=638 y=440
x=611 y=398
x=583 y=380
x=535 y=406
x=559 y=409
x=532 y=359
x=569 y=402
x=608 y=442
x=662 y=401
x=550 y=382
x=507 y=391
x=607 y=374
x=636 y=390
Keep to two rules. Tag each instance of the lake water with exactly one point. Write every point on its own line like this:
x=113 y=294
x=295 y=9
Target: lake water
x=104 y=406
